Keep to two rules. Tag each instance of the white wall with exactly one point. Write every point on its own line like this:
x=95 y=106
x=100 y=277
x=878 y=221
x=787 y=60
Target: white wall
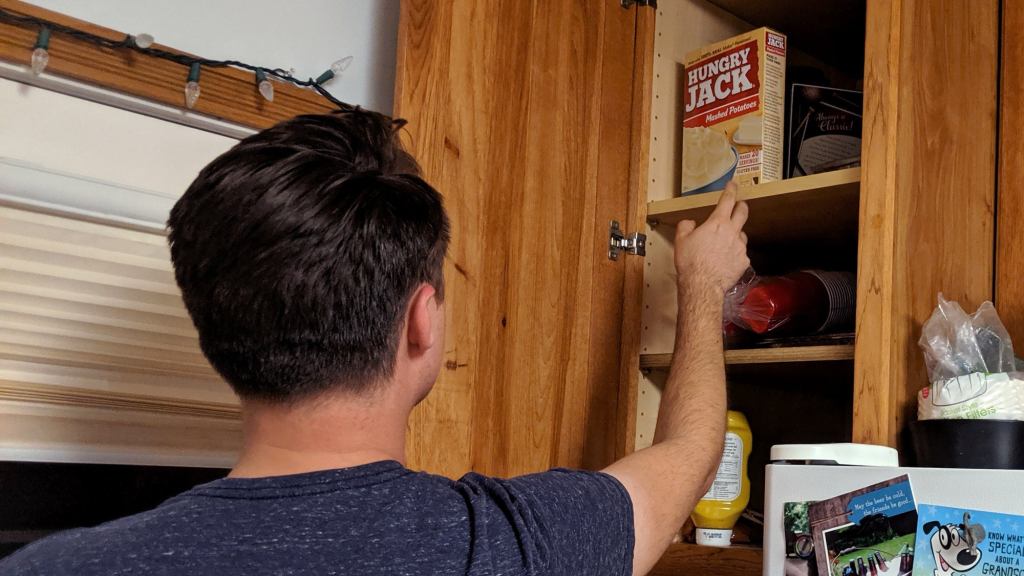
x=307 y=35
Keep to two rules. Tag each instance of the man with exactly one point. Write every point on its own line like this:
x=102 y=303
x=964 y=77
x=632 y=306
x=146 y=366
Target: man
x=310 y=257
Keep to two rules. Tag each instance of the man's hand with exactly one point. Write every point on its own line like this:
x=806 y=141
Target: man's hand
x=713 y=256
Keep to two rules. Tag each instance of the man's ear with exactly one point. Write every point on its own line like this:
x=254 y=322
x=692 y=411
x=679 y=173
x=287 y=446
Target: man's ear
x=419 y=326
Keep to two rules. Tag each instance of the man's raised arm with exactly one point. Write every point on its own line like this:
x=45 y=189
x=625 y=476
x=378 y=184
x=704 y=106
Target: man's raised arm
x=666 y=480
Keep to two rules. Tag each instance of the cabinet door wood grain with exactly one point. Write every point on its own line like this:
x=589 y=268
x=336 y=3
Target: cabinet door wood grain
x=519 y=113
x=927 y=190
x=1010 y=240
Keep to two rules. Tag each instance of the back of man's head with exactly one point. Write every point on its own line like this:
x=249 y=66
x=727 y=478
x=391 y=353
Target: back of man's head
x=297 y=251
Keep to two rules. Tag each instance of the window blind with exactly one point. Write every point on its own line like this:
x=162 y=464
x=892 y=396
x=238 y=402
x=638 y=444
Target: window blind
x=99 y=360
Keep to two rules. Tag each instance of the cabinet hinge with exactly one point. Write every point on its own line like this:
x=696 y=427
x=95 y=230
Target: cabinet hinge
x=634 y=243
x=630 y=3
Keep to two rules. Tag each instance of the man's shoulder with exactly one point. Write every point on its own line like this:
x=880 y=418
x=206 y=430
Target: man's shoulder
x=61 y=553
x=74 y=551
x=202 y=519
x=554 y=479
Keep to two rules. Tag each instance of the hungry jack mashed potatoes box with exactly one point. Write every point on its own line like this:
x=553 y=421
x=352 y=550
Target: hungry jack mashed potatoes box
x=733 y=112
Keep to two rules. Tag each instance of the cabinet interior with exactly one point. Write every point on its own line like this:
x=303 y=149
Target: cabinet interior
x=790 y=393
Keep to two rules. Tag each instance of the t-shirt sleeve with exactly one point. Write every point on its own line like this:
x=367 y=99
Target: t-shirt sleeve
x=32 y=559
x=562 y=522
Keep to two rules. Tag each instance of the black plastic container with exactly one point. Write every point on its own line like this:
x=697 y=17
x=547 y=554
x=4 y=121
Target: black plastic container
x=994 y=444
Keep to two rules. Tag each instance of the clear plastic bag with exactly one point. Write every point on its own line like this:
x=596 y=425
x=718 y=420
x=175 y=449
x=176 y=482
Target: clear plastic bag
x=957 y=344
x=732 y=314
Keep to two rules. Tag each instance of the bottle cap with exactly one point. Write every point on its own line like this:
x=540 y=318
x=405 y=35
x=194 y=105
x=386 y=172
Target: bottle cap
x=714 y=537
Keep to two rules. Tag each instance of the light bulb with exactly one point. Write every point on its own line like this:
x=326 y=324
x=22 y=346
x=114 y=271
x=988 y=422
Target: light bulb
x=336 y=69
x=143 y=40
x=340 y=66
x=192 y=89
x=40 y=57
x=267 y=90
x=264 y=85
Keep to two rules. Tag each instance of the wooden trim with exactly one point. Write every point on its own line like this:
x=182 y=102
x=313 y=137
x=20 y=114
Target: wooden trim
x=600 y=292
x=875 y=245
x=1010 y=225
x=927 y=191
x=823 y=186
x=686 y=558
x=227 y=93
x=831 y=353
x=632 y=293
x=817 y=208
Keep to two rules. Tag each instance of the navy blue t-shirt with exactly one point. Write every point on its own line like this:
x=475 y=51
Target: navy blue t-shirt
x=375 y=519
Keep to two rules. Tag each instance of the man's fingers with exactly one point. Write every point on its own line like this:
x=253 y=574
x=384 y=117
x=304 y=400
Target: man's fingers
x=743 y=237
x=726 y=203
x=684 y=228
x=740 y=214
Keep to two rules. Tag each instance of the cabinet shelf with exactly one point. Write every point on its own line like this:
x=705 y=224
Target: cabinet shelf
x=682 y=558
x=826 y=353
x=819 y=206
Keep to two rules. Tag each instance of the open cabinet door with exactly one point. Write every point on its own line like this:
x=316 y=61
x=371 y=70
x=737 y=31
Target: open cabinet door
x=1010 y=202
x=520 y=114
x=927 y=192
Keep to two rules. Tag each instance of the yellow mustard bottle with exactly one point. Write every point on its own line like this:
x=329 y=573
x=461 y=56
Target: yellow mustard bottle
x=719 y=509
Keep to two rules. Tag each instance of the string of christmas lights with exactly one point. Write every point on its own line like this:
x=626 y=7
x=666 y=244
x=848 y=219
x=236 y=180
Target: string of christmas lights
x=144 y=43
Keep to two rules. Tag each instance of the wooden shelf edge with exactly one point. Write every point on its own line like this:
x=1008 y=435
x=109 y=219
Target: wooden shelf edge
x=674 y=209
x=684 y=558
x=829 y=353
x=228 y=93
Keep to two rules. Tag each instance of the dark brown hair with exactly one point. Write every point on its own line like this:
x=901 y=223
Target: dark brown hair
x=297 y=251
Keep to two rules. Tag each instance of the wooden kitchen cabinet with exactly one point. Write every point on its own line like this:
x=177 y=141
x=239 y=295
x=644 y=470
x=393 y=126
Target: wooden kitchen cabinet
x=1010 y=237
x=542 y=122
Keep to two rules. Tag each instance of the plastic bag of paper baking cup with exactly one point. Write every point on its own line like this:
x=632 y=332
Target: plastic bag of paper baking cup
x=958 y=344
x=976 y=396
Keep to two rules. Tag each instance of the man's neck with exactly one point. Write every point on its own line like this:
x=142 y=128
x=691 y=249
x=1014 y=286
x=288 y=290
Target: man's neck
x=323 y=434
